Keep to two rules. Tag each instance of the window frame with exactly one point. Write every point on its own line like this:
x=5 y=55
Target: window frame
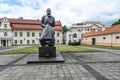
x=33 y=34
x=5 y=25
x=21 y=41
x=28 y=34
x=15 y=34
x=58 y=34
x=21 y=34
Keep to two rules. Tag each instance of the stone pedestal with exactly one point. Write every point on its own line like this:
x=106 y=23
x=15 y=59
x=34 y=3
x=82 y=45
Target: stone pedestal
x=46 y=55
x=49 y=51
x=35 y=59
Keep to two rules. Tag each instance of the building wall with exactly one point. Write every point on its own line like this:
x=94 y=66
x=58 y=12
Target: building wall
x=58 y=37
x=32 y=39
x=5 y=33
x=24 y=37
x=70 y=38
x=14 y=37
x=81 y=28
x=107 y=40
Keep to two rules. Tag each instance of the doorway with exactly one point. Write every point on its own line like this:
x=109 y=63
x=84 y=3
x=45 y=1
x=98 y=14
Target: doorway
x=3 y=42
x=93 y=41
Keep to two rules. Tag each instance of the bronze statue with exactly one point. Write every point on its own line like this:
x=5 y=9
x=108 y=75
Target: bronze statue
x=47 y=35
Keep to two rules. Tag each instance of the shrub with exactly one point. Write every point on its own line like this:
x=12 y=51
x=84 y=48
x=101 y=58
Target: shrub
x=74 y=43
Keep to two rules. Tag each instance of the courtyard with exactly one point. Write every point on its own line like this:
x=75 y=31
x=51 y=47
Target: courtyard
x=101 y=64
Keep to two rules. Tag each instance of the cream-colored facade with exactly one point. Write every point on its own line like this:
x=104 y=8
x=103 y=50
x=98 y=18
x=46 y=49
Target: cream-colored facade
x=88 y=26
x=5 y=33
x=105 y=39
x=32 y=37
x=9 y=36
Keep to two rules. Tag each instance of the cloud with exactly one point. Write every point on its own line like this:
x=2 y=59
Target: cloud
x=68 y=11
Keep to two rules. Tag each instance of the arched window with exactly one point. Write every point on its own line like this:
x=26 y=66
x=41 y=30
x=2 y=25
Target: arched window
x=74 y=35
x=5 y=25
x=5 y=34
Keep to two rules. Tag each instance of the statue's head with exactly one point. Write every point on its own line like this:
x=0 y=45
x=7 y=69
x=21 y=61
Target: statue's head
x=48 y=11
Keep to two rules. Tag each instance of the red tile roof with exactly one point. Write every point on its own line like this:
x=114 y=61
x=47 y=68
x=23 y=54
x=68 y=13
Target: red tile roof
x=27 y=24
x=26 y=27
x=109 y=30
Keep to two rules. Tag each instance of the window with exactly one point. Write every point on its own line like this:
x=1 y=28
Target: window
x=33 y=34
x=5 y=34
x=21 y=34
x=33 y=41
x=21 y=41
x=15 y=41
x=28 y=42
x=28 y=34
x=87 y=29
x=74 y=35
x=69 y=41
x=81 y=29
x=104 y=37
x=5 y=25
x=57 y=34
x=39 y=34
x=117 y=37
x=58 y=41
x=69 y=35
x=15 y=34
x=91 y=30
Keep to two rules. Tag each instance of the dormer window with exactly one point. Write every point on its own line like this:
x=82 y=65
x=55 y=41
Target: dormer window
x=5 y=25
x=5 y=19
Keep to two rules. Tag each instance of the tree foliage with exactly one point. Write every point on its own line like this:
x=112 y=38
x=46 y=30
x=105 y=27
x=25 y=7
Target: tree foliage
x=65 y=29
x=116 y=22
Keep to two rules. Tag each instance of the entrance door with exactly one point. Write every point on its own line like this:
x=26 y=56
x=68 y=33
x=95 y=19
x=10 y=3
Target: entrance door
x=3 y=42
x=93 y=41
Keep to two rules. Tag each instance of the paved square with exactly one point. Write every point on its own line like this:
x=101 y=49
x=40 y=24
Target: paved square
x=78 y=66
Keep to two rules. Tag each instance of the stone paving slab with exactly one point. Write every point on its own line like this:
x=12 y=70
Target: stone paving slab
x=110 y=70
x=50 y=72
x=98 y=56
x=5 y=59
x=77 y=66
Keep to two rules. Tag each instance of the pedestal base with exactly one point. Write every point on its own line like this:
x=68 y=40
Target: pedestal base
x=49 y=51
x=37 y=59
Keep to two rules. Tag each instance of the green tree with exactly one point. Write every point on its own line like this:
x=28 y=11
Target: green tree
x=64 y=29
x=116 y=22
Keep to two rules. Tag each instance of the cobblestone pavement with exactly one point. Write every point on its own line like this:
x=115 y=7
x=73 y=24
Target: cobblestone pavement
x=77 y=66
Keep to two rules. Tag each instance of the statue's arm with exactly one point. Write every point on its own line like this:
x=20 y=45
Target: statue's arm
x=53 y=23
x=42 y=22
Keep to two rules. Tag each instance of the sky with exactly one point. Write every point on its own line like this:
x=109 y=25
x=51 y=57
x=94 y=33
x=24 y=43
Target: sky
x=67 y=11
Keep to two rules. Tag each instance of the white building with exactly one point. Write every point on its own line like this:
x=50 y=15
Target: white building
x=24 y=31
x=75 y=31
